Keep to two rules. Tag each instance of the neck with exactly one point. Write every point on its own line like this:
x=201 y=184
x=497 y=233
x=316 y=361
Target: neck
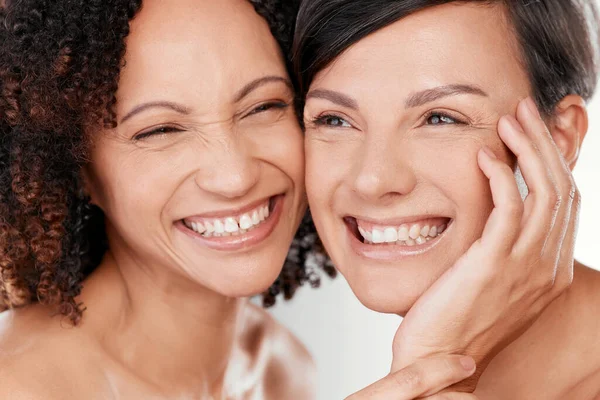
x=160 y=326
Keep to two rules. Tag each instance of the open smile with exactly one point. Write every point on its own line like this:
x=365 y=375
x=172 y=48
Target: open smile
x=233 y=230
x=396 y=239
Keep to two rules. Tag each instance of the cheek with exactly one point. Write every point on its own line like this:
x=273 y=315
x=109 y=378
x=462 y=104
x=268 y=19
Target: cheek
x=454 y=170
x=137 y=185
x=322 y=175
x=282 y=147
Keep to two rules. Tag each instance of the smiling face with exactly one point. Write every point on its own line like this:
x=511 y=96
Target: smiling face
x=203 y=179
x=394 y=126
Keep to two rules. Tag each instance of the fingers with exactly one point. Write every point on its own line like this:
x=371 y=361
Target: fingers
x=564 y=272
x=560 y=197
x=502 y=228
x=422 y=378
x=452 y=396
x=537 y=221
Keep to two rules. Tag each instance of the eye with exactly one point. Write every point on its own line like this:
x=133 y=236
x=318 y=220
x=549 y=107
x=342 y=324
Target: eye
x=332 y=121
x=438 y=118
x=160 y=131
x=275 y=105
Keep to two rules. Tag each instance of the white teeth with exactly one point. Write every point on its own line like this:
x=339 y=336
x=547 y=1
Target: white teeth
x=255 y=218
x=433 y=231
x=219 y=226
x=414 y=232
x=231 y=225
x=390 y=235
x=245 y=221
x=198 y=227
x=403 y=233
x=378 y=236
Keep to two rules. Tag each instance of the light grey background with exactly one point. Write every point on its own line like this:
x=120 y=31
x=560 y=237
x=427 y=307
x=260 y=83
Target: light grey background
x=352 y=345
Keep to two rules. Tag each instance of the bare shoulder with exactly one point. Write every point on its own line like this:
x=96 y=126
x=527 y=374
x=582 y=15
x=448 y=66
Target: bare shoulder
x=290 y=371
x=586 y=283
x=583 y=326
x=35 y=361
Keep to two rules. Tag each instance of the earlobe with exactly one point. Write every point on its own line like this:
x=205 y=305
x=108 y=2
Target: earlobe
x=569 y=126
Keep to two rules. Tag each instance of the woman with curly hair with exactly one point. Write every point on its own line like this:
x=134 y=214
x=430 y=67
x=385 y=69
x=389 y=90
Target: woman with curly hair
x=144 y=194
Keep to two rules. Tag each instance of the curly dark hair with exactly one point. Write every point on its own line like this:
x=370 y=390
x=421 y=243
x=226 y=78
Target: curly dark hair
x=59 y=69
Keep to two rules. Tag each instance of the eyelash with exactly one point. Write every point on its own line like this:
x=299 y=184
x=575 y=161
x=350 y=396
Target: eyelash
x=278 y=105
x=443 y=115
x=160 y=131
x=164 y=130
x=323 y=120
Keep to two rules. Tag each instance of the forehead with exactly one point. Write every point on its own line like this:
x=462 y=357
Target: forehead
x=452 y=43
x=209 y=45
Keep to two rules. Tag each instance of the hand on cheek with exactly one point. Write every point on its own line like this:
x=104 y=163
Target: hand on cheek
x=521 y=263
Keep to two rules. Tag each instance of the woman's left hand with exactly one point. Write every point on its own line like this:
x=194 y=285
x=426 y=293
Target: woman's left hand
x=521 y=263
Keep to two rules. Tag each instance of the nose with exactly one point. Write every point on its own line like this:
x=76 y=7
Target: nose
x=383 y=170
x=229 y=169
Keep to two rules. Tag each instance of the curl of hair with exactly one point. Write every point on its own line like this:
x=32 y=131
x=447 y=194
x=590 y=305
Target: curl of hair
x=59 y=70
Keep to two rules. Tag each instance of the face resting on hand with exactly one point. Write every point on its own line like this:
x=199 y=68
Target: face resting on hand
x=393 y=128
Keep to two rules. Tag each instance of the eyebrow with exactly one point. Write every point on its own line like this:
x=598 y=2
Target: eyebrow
x=334 y=97
x=414 y=100
x=255 y=84
x=156 y=104
x=240 y=95
x=429 y=95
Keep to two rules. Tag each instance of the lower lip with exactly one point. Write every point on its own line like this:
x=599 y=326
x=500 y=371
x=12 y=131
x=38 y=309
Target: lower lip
x=239 y=242
x=392 y=252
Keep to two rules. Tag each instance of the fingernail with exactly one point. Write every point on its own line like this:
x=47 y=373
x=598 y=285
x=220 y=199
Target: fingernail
x=468 y=363
x=489 y=152
x=532 y=107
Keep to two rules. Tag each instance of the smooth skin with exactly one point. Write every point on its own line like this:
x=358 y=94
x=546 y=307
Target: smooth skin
x=501 y=283
x=167 y=316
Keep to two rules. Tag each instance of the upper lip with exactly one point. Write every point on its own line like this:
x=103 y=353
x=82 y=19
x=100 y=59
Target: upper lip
x=397 y=221
x=233 y=211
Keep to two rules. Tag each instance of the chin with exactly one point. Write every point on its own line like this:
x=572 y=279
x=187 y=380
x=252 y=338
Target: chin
x=253 y=278
x=389 y=288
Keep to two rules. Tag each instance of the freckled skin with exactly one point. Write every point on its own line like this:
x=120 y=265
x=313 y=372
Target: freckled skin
x=385 y=161
x=167 y=317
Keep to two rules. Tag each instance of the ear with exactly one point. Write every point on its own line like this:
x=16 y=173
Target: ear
x=569 y=126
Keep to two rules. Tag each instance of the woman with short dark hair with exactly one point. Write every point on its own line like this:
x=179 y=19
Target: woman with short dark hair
x=420 y=115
